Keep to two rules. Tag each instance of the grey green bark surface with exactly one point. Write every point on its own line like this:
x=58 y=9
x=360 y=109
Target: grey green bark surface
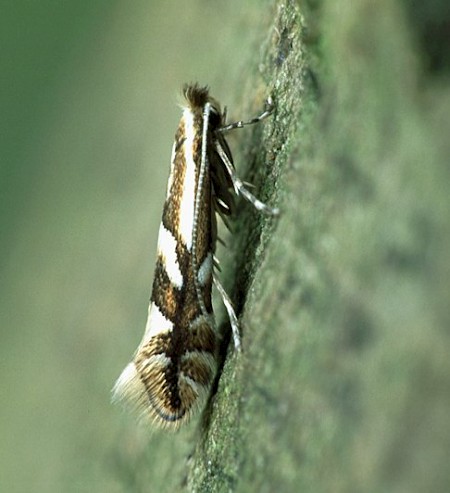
x=343 y=382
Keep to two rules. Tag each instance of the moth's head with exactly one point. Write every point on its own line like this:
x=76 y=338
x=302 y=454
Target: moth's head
x=196 y=96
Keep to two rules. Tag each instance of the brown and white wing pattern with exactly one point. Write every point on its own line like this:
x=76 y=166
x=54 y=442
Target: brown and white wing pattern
x=172 y=370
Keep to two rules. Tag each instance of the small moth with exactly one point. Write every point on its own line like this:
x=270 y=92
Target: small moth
x=172 y=370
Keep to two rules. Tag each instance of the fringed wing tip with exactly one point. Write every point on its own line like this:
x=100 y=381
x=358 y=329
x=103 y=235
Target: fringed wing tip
x=132 y=394
x=128 y=386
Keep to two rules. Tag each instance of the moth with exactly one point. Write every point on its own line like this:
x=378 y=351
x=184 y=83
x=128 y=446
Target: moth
x=170 y=375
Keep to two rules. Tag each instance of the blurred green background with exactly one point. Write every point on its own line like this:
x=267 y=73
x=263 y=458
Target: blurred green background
x=88 y=113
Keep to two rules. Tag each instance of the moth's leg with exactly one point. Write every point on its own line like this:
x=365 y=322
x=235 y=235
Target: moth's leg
x=269 y=106
x=231 y=314
x=239 y=186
